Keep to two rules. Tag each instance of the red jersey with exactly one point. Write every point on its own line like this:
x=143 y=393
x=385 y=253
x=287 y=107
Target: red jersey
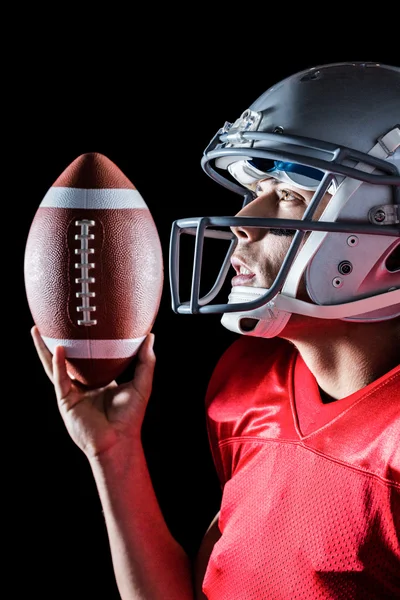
x=311 y=492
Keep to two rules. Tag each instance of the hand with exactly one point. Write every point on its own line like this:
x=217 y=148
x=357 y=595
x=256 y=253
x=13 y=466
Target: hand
x=99 y=419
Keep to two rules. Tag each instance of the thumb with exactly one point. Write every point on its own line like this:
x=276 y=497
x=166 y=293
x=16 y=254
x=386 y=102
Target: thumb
x=144 y=370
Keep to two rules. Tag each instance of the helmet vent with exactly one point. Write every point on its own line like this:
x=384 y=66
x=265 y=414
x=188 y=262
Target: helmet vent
x=393 y=260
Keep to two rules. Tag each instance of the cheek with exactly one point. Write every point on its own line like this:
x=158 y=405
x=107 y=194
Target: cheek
x=282 y=245
x=290 y=210
x=274 y=250
x=321 y=206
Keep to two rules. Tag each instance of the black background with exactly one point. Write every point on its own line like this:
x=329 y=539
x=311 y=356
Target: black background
x=149 y=94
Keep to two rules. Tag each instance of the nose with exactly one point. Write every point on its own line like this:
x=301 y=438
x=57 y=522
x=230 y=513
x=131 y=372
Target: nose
x=259 y=207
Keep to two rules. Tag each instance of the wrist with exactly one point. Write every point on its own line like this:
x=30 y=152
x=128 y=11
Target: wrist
x=119 y=458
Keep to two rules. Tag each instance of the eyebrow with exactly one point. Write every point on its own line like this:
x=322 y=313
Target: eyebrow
x=275 y=182
x=271 y=180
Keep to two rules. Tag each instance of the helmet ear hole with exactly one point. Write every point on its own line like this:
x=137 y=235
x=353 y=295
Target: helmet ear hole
x=393 y=260
x=248 y=324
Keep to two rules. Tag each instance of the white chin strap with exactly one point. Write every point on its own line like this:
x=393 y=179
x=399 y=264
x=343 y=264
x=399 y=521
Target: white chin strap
x=269 y=320
x=272 y=317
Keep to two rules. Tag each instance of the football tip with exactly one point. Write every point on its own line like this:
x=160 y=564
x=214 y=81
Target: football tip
x=93 y=170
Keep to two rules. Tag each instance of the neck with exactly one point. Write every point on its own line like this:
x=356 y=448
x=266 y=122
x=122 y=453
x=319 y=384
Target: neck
x=346 y=356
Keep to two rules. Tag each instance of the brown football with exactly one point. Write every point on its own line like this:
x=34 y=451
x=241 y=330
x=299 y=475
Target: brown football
x=93 y=269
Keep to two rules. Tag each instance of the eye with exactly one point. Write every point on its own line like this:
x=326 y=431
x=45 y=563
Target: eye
x=270 y=185
x=289 y=196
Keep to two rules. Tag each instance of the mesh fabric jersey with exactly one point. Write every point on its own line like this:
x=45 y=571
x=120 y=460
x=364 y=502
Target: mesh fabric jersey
x=311 y=491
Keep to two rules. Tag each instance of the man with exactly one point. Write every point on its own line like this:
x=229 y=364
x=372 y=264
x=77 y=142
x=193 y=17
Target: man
x=303 y=408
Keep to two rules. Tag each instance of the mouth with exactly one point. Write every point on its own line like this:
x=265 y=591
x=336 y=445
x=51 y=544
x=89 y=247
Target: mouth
x=243 y=273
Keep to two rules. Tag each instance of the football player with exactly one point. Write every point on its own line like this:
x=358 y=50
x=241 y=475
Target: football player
x=303 y=408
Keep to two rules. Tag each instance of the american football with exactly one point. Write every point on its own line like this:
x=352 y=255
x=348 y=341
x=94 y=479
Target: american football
x=93 y=269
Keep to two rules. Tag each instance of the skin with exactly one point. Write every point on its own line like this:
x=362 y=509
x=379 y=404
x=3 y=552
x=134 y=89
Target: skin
x=357 y=353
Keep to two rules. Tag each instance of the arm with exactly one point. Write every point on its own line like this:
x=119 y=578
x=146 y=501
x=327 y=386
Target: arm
x=148 y=562
x=106 y=425
x=211 y=536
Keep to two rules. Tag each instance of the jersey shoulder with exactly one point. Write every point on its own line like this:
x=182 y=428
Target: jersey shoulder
x=249 y=358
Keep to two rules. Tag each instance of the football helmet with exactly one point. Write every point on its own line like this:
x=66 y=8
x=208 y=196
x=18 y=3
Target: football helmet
x=331 y=128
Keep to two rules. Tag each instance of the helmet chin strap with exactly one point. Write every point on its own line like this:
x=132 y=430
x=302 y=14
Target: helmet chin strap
x=269 y=320
x=272 y=317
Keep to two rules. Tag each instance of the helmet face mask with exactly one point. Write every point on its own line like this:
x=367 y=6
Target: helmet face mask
x=305 y=131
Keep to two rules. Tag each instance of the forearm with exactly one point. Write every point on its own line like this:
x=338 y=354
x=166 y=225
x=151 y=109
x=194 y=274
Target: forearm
x=149 y=564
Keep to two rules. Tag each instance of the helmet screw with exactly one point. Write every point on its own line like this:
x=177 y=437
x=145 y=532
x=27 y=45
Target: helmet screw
x=345 y=267
x=379 y=216
x=337 y=282
x=352 y=240
x=278 y=129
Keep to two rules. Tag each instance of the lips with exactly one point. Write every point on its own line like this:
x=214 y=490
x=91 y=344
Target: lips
x=244 y=277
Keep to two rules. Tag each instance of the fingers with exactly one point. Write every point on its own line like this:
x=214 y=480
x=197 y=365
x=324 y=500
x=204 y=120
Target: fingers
x=54 y=364
x=61 y=379
x=44 y=353
x=144 y=371
x=146 y=349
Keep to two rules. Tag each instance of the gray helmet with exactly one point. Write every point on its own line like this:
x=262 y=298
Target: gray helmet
x=333 y=128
